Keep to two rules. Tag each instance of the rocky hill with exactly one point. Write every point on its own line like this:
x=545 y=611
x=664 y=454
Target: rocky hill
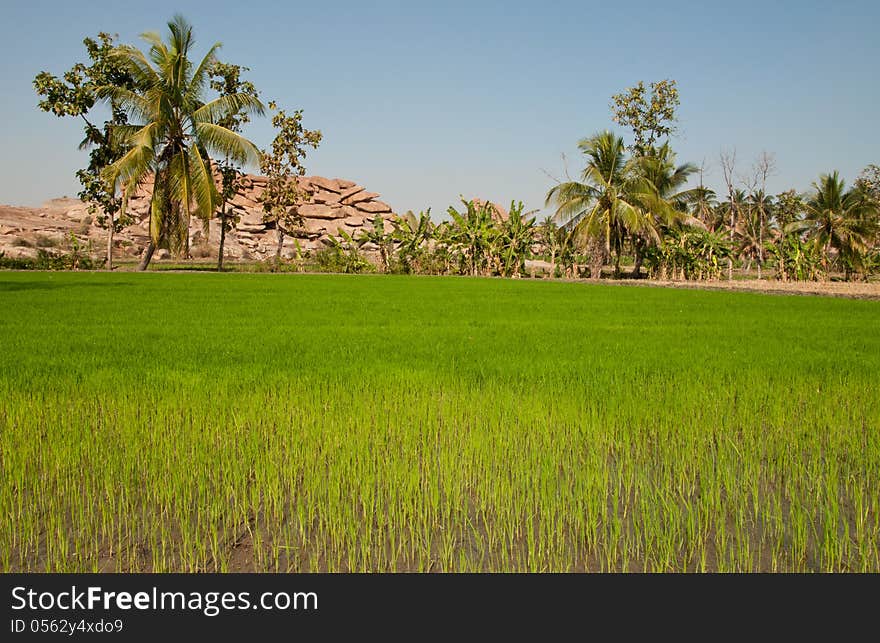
x=334 y=205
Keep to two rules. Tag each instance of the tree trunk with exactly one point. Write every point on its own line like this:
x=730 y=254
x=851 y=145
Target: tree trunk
x=637 y=265
x=617 y=265
x=760 y=244
x=278 y=247
x=148 y=254
x=597 y=257
x=110 y=231
x=222 y=237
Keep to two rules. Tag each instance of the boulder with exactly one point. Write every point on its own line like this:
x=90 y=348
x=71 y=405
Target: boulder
x=499 y=213
x=349 y=192
x=330 y=185
x=320 y=211
x=356 y=220
x=315 y=226
x=373 y=207
x=241 y=201
x=328 y=198
x=335 y=227
x=359 y=196
x=328 y=206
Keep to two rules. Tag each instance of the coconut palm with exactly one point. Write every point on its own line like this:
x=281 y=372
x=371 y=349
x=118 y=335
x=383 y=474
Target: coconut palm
x=177 y=130
x=661 y=193
x=605 y=205
x=839 y=219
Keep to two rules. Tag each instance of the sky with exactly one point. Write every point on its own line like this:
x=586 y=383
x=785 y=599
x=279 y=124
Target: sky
x=424 y=102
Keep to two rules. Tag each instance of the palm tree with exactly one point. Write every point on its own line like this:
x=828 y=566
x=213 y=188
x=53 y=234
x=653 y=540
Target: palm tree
x=838 y=219
x=661 y=193
x=605 y=204
x=177 y=130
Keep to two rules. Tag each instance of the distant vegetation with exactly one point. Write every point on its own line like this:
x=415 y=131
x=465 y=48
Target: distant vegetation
x=631 y=203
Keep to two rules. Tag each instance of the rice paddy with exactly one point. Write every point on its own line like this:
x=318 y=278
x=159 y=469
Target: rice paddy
x=203 y=422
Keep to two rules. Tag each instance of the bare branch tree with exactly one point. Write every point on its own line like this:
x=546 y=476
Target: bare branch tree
x=764 y=167
x=728 y=169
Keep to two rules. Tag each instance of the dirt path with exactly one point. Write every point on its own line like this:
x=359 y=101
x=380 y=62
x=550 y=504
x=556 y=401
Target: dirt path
x=850 y=290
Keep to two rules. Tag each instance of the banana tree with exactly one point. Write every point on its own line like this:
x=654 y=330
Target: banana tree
x=514 y=241
x=412 y=236
x=472 y=233
x=376 y=235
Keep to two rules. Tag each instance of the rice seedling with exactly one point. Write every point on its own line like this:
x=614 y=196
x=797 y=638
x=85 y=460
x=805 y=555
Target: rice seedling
x=201 y=422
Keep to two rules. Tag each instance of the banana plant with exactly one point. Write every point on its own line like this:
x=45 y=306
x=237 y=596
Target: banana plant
x=412 y=236
x=472 y=233
x=376 y=235
x=514 y=241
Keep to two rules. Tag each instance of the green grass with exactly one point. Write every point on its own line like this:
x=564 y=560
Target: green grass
x=315 y=422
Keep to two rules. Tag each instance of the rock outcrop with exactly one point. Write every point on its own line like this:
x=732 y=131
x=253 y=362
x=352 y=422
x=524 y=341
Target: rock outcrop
x=498 y=212
x=332 y=205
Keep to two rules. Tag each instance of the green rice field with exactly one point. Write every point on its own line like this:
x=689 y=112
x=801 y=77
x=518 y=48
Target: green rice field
x=260 y=422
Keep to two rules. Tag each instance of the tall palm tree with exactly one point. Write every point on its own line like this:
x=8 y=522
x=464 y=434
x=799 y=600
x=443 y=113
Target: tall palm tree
x=839 y=219
x=604 y=206
x=177 y=130
x=661 y=193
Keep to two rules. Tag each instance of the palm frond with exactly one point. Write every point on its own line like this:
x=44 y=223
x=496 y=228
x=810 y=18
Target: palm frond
x=223 y=106
x=226 y=143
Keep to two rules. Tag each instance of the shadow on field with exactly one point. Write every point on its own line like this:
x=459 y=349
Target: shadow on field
x=16 y=286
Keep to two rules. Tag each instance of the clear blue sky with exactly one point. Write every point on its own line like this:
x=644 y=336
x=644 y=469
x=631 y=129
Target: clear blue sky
x=423 y=101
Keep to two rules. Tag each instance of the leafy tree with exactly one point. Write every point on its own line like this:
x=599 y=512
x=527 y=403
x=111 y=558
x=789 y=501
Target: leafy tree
x=282 y=166
x=649 y=113
x=226 y=81
x=549 y=238
x=177 y=131
x=75 y=94
x=868 y=181
x=788 y=207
